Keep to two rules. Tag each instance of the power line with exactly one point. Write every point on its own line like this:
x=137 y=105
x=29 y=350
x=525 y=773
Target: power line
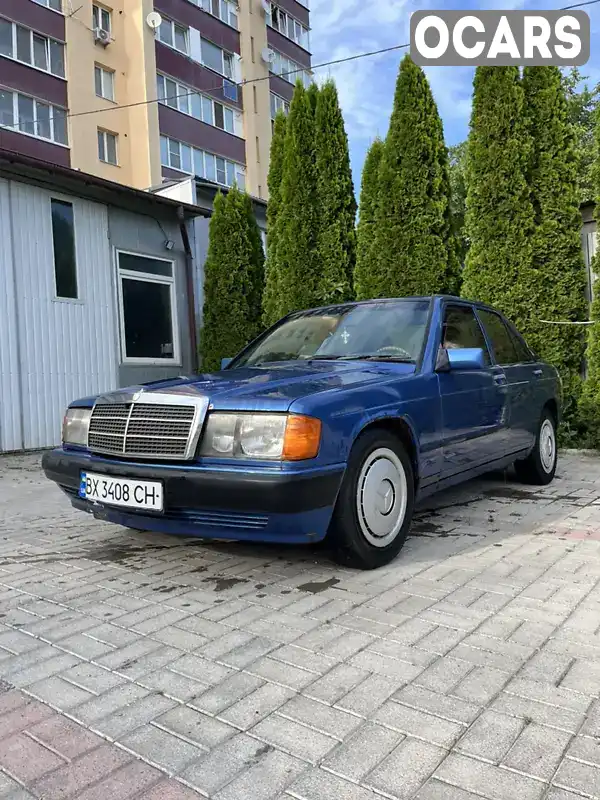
x=579 y=5
x=219 y=86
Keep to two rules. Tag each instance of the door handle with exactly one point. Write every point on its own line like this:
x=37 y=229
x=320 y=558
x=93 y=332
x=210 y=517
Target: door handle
x=500 y=380
x=538 y=372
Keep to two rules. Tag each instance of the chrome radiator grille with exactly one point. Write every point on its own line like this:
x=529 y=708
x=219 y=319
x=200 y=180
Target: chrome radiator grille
x=143 y=430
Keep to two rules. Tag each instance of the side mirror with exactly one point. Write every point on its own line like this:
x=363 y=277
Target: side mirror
x=225 y=362
x=466 y=358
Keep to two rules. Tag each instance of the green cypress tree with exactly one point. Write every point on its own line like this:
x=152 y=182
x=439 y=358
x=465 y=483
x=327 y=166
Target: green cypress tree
x=233 y=274
x=590 y=400
x=499 y=220
x=414 y=236
x=297 y=219
x=271 y=293
x=367 y=281
x=554 y=288
x=336 y=235
x=313 y=92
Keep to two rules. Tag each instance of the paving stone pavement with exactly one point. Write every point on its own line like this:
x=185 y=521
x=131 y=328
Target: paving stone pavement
x=138 y=665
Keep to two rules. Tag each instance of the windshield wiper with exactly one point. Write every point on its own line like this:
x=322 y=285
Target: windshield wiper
x=364 y=357
x=395 y=359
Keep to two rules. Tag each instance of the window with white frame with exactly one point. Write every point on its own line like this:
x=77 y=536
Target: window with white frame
x=225 y=10
x=104 y=80
x=147 y=309
x=33 y=117
x=180 y=156
x=278 y=104
x=200 y=106
x=101 y=18
x=217 y=59
x=23 y=44
x=289 y=70
x=287 y=25
x=107 y=147
x=55 y=4
x=174 y=35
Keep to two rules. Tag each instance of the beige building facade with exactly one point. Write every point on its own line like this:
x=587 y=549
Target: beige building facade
x=143 y=91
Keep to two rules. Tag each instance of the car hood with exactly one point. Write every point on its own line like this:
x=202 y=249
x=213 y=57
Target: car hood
x=272 y=387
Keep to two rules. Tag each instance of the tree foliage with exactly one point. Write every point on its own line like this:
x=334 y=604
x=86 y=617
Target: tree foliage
x=415 y=243
x=590 y=401
x=365 y=274
x=297 y=219
x=582 y=103
x=233 y=279
x=272 y=289
x=336 y=217
x=554 y=287
x=500 y=217
x=458 y=197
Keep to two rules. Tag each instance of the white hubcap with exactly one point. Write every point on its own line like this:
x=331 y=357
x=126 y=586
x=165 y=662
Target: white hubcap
x=547 y=445
x=381 y=497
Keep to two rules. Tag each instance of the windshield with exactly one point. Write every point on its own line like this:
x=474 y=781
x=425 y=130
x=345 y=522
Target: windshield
x=378 y=331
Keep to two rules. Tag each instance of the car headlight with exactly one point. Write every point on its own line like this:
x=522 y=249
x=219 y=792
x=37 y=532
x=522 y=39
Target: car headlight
x=75 y=426
x=283 y=437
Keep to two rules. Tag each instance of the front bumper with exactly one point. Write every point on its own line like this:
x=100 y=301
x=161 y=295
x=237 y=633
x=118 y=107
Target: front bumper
x=226 y=504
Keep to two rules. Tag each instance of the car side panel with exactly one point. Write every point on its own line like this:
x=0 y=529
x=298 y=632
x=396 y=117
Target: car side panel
x=413 y=399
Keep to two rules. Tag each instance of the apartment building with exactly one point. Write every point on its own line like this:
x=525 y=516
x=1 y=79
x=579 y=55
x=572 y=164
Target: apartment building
x=141 y=91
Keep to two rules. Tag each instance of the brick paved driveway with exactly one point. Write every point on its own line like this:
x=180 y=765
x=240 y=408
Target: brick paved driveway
x=136 y=665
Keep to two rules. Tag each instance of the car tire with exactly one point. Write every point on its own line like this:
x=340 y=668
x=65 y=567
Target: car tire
x=539 y=467
x=375 y=503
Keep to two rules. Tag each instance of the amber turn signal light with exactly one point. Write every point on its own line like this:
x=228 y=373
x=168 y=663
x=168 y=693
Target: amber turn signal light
x=302 y=438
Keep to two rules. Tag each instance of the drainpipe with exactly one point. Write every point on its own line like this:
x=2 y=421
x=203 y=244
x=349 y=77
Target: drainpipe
x=189 y=275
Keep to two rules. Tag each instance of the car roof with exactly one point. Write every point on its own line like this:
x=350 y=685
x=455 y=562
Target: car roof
x=429 y=298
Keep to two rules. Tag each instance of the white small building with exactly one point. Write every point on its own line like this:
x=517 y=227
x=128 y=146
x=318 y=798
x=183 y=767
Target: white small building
x=96 y=292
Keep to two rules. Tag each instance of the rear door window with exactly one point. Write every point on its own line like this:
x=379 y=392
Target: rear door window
x=503 y=344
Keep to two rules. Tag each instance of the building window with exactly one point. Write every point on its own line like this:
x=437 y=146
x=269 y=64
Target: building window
x=189 y=101
x=147 y=309
x=184 y=158
x=289 y=70
x=278 y=104
x=105 y=82
x=216 y=59
x=225 y=10
x=55 y=4
x=174 y=35
x=288 y=26
x=230 y=90
x=101 y=18
x=33 y=117
x=41 y=52
x=107 y=147
x=63 y=241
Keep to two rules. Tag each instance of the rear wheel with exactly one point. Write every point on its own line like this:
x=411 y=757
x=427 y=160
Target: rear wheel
x=374 y=508
x=539 y=467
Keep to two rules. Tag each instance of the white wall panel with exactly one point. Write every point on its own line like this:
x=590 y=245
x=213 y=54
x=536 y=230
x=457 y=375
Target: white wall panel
x=10 y=395
x=68 y=347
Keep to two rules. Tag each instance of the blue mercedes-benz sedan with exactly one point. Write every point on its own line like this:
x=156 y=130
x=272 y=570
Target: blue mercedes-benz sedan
x=331 y=423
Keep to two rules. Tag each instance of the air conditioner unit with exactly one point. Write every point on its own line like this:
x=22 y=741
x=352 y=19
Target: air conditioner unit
x=268 y=55
x=102 y=36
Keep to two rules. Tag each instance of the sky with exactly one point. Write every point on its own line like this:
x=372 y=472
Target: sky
x=341 y=28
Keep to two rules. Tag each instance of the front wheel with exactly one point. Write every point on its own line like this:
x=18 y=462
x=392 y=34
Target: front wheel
x=539 y=467
x=375 y=504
